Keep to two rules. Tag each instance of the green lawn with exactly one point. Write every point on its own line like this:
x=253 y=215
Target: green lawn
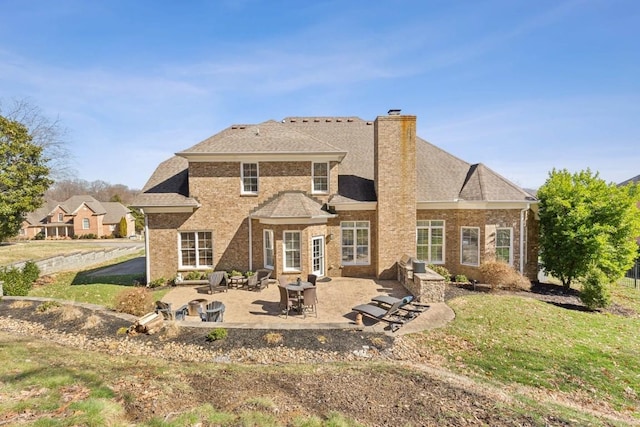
x=585 y=356
x=38 y=249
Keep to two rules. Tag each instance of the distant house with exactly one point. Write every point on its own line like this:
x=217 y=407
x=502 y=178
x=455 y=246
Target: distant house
x=75 y=217
x=333 y=196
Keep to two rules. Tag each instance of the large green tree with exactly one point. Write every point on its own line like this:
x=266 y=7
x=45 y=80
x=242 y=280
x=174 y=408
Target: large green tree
x=24 y=176
x=586 y=225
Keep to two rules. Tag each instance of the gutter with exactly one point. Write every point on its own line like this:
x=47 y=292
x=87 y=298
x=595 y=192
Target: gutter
x=522 y=230
x=147 y=261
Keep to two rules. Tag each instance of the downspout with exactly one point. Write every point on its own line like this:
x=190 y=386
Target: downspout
x=147 y=261
x=250 y=245
x=522 y=240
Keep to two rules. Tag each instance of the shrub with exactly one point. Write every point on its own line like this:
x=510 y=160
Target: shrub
x=156 y=283
x=217 y=334
x=39 y=236
x=273 y=338
x=500 y=275
x=193 y=275
x=137 y=301
x=30 y=272
x=14 y=282
x=47 y=305
x=595 y=290
x=441 y=270
x=461 y=278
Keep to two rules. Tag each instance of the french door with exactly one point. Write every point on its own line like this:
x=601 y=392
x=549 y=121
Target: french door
x=317 y=255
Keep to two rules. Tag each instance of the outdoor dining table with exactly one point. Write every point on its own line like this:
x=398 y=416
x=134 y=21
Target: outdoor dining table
x=298 y=287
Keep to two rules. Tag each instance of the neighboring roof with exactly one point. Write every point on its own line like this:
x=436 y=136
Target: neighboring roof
x=40 y=215
x=73 y=203
x=291 y=204
x=115 y=212
x=630 y=180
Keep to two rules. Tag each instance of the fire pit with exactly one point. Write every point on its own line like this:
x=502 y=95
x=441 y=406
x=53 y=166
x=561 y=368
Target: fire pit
x=196 y=304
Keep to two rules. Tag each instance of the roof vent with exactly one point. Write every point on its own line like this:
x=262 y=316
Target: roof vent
x=394 y=112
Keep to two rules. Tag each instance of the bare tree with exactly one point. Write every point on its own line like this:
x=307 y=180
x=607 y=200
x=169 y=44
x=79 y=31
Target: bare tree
x=46 y=133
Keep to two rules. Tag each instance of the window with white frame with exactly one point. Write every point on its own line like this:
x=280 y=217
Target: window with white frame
x=430 y=241
x=60 y=217
x=196 y=249
x=355 y=242
x=85 y=223
x=249 y=177
x=320 y=172
x=504 y=242
x=291 y=246
x=268 y=248
x=470 y=246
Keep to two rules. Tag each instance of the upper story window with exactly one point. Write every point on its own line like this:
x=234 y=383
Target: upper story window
x=355 y=242
x=320 y=177
x=196 y=249
x=430 y=241
x=504 y=242
x=470 y=246
x=85 y=223
x=249 y=177
x=60 y=217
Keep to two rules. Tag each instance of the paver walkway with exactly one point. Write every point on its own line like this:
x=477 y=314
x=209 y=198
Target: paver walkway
x=336 y=297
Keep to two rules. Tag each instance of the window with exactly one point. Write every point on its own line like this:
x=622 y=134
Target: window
x=60 y=217
x=268 y=248
x=85 y=223
x=320 y=174
x=430 y=241
x=503 y=245
x=470 y=246
x=249 y=175
x=291 y=243
x=196 y=249
x=355 y=242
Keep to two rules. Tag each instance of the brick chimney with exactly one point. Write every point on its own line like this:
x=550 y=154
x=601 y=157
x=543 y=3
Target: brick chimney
x=395 y=184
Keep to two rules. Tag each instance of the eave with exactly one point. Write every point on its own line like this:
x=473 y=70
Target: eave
x=264 y=157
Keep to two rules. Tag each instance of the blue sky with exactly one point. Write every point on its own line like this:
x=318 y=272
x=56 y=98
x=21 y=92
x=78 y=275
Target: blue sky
x=521 y=86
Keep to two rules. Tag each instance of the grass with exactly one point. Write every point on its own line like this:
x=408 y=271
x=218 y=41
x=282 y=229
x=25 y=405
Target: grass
x=82 y=286
x=588 y=357
x=38 y=249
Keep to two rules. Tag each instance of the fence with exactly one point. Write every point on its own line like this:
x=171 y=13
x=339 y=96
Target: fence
x=632 y=277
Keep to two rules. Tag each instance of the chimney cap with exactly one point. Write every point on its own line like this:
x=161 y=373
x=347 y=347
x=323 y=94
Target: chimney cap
x=394 y=112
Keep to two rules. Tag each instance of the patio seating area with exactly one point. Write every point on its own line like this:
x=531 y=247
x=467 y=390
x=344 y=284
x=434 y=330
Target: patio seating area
x=334 y=301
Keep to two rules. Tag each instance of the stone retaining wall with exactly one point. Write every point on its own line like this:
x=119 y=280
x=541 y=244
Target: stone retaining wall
x=76 y=260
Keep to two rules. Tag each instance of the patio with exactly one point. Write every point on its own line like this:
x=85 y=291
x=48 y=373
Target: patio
x=336 y=297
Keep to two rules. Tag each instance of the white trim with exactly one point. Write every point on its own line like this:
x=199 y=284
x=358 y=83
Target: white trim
x=242 y=189
x=355 y=243
x=284 y=251
x=169 y=209
x=291 y=221
x=475 y=204
x=181 y=266
x=461 y=246
x=147 y=258
x=320 y=272
x=264 y=157
x=269 y=232
x=429 y=244
x=510 y=261
x=313 y=177
x=354 y=206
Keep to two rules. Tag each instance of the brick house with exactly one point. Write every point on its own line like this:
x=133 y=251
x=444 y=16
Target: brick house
x=334 y=196
x=75 y=217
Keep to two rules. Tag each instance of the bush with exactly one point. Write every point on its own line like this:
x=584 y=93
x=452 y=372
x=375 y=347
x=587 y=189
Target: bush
x=500 y=275
x=461 y=278
x=156 y=283
x=39 y=236
x=217 y=334
x=15 y=283
x=47 y=305
x=441 y=270
x=595 y=290
x=30 y=272
x=193 y=275
x=137 y=301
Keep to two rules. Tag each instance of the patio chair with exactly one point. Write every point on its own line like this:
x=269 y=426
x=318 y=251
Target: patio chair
x=391 y=316
x=182 y=312
x=218 y=281
x=263 y=277
x=309 y=301
x=283 y=280
x=214 y=312
x=286 y=302
x=312 y=278
x=408 y=303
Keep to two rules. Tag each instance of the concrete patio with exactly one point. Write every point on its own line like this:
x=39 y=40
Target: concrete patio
x=336 y=297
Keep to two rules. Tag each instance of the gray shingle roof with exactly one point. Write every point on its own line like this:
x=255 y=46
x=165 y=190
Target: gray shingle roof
x=291 y=204
x=115 y=212
x=73 y=203
x=168 y=186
